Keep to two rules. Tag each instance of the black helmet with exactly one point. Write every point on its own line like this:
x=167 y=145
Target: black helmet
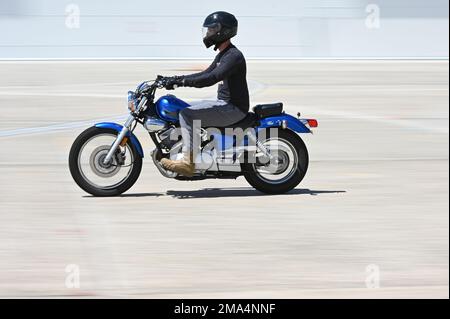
x=218 y=28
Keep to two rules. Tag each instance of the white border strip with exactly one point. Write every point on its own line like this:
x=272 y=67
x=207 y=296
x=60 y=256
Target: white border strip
x=207 y=58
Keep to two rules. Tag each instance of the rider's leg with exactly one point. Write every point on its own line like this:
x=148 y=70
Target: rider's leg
x=206 y=114
x=210 y=114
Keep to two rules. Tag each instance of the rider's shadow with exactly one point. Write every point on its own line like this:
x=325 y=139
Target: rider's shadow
x=241 y=192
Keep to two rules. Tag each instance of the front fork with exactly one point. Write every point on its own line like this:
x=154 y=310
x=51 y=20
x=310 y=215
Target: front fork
x=125 y=130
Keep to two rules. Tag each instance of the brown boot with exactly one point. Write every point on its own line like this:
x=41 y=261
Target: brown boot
x=185 y=167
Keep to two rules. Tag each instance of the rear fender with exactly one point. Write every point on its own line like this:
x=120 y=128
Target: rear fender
x=292 y=123
x=118 y=128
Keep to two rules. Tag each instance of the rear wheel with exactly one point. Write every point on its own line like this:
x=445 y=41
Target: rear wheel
x=287 y=168
x=86 y=162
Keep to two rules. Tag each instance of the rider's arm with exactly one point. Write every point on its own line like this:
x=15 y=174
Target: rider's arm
x=209 y=69
x=226 y=67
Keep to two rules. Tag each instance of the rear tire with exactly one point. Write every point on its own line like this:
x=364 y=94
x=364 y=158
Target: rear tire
x=85 y=185
x=259 y=183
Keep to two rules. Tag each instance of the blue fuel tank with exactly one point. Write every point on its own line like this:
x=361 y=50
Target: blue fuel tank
x=168 y=108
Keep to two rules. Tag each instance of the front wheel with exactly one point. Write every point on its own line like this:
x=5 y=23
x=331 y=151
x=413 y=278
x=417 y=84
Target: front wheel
x=287 y=168
x=86 y=163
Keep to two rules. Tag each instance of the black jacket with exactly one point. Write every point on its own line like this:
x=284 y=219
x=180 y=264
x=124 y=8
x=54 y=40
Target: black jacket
x=230 y=67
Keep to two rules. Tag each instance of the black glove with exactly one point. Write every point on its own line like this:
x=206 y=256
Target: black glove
x=171 y=83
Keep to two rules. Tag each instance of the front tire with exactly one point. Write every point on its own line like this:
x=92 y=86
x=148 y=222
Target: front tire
x=298 y=166
x=103 y=173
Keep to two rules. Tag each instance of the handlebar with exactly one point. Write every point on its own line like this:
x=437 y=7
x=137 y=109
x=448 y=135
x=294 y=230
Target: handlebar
x=150 y=86
x=145 y=92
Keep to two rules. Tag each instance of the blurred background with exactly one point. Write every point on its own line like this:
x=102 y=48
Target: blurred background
x=370 y=220
x=268 y=29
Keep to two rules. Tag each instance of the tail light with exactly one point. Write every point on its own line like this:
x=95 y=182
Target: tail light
x=313 y=123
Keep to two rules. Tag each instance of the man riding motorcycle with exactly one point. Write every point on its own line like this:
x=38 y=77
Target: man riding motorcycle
x=232 y=104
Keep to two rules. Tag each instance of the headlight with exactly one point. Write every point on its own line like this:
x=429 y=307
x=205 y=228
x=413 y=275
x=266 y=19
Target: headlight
x=132 y=101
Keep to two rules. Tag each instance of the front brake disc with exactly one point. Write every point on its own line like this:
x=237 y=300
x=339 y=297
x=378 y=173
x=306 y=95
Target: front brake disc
x=97 y=165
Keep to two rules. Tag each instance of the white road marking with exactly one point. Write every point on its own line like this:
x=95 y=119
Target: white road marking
x=65 y=94
x=58 y=127
x=416 y=124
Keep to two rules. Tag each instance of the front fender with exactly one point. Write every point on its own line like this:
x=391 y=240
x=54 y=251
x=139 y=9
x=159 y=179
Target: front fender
x=118 y=128
x=293 y=123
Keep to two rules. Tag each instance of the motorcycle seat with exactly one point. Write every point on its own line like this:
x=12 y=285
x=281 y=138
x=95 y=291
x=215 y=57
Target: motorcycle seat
x=249 y=121
x=266 y=110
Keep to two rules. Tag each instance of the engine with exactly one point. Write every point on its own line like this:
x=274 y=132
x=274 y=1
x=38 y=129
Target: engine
x=169 y=137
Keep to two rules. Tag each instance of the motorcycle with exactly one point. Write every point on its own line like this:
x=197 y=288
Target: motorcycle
x=106 y=159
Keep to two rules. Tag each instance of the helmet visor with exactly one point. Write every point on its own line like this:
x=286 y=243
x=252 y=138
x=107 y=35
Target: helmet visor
x=212 y=30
